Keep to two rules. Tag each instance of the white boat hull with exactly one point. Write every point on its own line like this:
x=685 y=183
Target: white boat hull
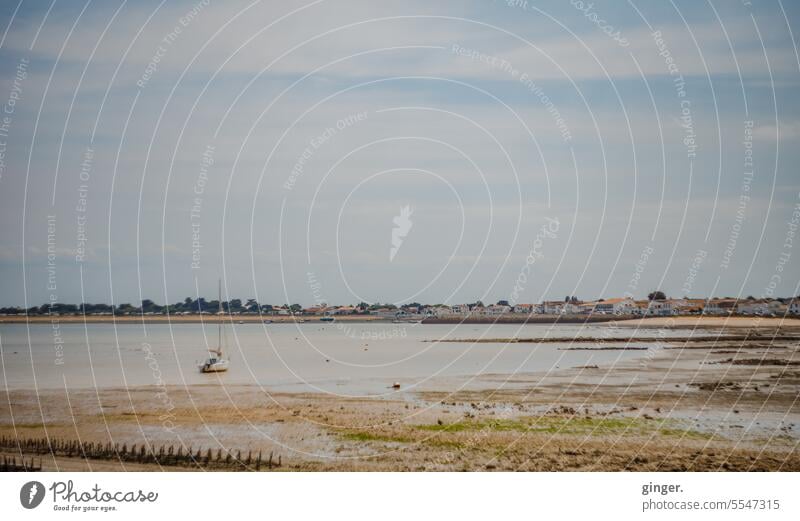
x=218 y=366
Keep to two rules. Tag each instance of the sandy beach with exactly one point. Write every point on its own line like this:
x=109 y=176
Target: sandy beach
x=686 y=405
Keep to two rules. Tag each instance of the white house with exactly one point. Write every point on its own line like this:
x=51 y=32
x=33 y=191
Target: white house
x=478 y=310
x=753 y=307
x=660 y=308
x=496 y=309
x=719 y=306
x=459 y=309
x=436 y=311
x=552 y=307
x=615 y=306
x=794 y=307
x=526 y=309
x=760 y=307
x=688 y=306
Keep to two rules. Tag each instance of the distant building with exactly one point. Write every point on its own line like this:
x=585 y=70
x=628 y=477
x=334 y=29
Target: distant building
x=553 y=307
x=614 y=306
x=660 y=308
x=760 y=307
x=477 y=310
x=459 y=309
x=526 y=309
x=384 y=312
x=720 y=306
x=436 y=311
x=496 y=309
x=688 y=306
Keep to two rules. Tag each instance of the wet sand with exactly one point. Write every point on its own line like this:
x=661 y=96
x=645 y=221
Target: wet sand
x=712 y=321
x=681 y=406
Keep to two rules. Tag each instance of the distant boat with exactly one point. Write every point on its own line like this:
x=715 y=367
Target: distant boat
x=217 y=362
x=327 y=319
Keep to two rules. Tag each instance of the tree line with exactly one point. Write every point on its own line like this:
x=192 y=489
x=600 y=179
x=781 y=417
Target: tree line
x=188 y=305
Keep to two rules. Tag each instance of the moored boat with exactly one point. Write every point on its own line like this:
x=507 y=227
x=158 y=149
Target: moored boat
x=217 y=363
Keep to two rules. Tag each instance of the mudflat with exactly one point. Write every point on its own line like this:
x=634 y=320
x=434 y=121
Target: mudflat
x=702 y=405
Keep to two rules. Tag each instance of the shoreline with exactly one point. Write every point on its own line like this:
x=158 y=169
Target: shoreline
x=678 y=321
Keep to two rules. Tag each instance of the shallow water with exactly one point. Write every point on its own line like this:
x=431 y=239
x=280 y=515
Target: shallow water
x=342 y=358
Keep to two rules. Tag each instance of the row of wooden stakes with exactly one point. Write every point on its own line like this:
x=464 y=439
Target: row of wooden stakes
x=9 y=464
x=163 y=455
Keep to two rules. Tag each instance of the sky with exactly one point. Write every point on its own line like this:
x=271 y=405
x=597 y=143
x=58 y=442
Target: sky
x=438 y=152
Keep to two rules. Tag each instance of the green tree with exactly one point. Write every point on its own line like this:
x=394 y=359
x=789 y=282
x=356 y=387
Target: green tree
x=125 y=308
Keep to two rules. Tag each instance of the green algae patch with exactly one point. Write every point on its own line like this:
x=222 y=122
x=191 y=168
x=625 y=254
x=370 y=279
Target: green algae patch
x=364 y=436
x=575 y=425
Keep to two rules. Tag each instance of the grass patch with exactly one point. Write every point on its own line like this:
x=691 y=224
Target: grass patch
x=493 y=425
x=686 y=433
x=569 y=426
x=572 y=426
x=363 y=437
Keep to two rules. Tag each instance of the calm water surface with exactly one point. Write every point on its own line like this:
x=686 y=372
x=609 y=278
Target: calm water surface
x=342 y=358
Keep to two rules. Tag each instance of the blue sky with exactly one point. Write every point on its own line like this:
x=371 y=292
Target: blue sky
x=451 y=108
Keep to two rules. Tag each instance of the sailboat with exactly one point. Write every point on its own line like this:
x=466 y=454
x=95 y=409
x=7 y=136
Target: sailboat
x=216 y=363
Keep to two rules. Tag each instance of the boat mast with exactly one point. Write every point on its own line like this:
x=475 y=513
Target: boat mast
x=220 y=316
